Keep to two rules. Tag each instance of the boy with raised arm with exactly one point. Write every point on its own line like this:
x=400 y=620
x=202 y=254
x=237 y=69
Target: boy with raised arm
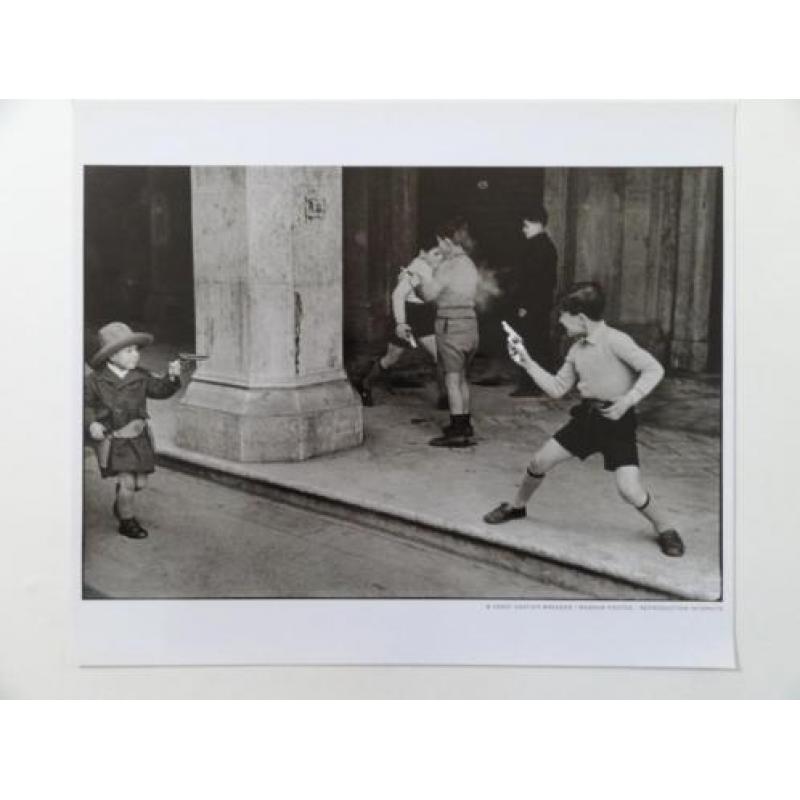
x=612 y=374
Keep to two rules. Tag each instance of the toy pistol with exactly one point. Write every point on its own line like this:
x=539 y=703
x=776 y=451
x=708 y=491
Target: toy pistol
x=510 y=332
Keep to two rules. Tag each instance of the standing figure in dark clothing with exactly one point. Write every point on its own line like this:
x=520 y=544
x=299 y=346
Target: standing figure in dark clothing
x=533 y=296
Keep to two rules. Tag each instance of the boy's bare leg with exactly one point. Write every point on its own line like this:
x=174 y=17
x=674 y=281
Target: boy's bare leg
x=429 y=343
x=465 y=394
x=452 y=381
x=629 y=484
x=547 y=457
x=127 y=486
x=391 y=357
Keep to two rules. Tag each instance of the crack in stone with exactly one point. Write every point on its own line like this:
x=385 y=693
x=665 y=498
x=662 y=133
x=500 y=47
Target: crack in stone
x=298 y=321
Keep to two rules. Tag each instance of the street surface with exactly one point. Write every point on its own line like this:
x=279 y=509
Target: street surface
x=210 y=541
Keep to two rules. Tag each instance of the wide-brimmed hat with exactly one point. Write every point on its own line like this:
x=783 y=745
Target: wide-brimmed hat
x=114 y=337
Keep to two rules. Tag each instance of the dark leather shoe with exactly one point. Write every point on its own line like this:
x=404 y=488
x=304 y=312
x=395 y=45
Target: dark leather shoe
x=503 y=513
x=452 y=439
x=132 y=529
x=671 y=543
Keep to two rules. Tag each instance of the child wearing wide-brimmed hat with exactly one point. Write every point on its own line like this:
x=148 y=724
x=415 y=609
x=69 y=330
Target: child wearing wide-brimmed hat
x=115 y=415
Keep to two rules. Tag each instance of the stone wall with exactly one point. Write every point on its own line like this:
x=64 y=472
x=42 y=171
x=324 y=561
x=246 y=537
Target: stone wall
x=648 y=236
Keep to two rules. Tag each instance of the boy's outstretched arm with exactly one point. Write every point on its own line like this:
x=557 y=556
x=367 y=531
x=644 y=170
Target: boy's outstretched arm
x=162 y=388
x=554 y=386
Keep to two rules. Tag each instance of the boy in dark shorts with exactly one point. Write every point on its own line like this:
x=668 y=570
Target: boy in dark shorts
x=412 y=324
x=612 y=374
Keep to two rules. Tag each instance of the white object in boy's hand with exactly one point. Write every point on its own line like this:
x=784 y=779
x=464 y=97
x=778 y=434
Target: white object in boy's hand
x=512 y=335
x=97 y=431
x=516 y=347
x=517 y=351
x=174 y=368
x=403 y=331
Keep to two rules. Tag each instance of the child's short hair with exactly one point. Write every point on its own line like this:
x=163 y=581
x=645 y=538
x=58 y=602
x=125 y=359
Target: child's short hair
x=535 y=213
x=586 y=297
x=449 y=227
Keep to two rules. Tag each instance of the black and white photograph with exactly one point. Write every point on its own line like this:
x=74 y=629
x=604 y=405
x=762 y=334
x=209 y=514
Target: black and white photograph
x=352 y=390
x=402 y=382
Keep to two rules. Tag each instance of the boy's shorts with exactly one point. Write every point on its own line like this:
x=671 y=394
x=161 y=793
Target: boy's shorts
x=590 y=432
x=456 y=342
x=421 y=318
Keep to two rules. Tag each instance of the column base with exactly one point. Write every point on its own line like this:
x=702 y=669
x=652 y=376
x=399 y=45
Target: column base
x=282 y=424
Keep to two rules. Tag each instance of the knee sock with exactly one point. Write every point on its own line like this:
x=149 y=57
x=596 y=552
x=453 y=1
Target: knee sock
x=530 y=483
x=654 y=515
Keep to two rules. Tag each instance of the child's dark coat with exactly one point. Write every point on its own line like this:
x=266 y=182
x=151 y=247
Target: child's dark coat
x=114 y=402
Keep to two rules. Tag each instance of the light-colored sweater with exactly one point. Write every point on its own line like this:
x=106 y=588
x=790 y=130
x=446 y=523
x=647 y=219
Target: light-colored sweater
x=453 y=286
x=606 y=364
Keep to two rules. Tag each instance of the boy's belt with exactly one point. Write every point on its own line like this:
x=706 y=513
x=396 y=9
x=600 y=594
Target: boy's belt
x=587 y=406
x=456 y=312
x=136 y=427
x=130 y=431
x=593 y=404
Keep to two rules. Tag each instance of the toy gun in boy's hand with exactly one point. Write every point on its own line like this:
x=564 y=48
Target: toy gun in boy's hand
x=516 y=347
x=176 y=367
x=512 y=335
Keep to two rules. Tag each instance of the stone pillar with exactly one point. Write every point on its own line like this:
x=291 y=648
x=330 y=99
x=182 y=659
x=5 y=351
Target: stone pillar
x=268 y=294
x=689 y=346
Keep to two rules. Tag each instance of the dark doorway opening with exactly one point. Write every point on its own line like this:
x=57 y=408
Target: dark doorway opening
x=494 y=201
x=137 y=247
x=390 y=212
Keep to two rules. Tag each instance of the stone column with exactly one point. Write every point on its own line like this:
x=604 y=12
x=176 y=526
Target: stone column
x=268 y=295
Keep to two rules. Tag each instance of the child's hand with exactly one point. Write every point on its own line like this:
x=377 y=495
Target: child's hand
x=617 y=409
x=516 y=349
x=403 y=331
x=97 y=431
x=174 y=368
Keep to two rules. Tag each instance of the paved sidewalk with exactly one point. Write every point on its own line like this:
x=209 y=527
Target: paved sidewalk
x=576 y=518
